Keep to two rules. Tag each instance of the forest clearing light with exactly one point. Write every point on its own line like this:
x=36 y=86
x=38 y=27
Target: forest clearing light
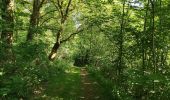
x=136 y=4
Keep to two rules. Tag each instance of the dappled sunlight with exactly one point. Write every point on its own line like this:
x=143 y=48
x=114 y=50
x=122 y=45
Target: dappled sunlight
x=87 y=83
x=85 y=50
x=73 y=70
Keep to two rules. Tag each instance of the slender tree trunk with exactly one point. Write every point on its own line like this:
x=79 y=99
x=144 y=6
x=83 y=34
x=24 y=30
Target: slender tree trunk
x=153 y=42
x=143 y=39
x=8 y=27
x=121 y=41
x=153 y=36
x=34 y=19
x=163 y=57
x=140 y=91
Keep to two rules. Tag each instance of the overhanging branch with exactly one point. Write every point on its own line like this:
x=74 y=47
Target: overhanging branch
x=71 y=35
x=52 y=11
x=47 y=20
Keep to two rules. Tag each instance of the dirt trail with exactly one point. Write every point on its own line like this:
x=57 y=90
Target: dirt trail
x=90 y=88
x=73 y=86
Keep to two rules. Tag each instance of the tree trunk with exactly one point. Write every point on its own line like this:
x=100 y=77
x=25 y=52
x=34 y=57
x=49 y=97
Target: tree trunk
x=7 y=28
x=63 y=15
x=56 y=46
x=34 y=19
x=143 y=39
x=153 y=36
x=121 y=41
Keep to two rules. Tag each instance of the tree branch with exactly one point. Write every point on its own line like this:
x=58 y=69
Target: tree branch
x=71 y=35
x=47 y=13
x=67 y=9
x=42 y=2
x=47 y=20
x=60 y=8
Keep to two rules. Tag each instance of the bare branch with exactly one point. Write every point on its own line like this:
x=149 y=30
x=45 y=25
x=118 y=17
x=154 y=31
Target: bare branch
x=47 y=20
x=67 y=9
x=60 y=8
x=48 y=13
x=71 y=35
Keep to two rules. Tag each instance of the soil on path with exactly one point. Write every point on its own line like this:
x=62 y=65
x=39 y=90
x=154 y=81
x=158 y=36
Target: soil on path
x=90 y=88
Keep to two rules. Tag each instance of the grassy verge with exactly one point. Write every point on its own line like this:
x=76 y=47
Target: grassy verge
x=63 y=86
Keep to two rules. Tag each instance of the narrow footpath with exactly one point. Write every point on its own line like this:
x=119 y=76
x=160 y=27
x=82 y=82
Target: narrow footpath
x=90 y=88
x=75 y=84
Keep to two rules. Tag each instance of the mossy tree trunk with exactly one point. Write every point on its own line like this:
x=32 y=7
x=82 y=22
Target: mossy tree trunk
x=7 y=9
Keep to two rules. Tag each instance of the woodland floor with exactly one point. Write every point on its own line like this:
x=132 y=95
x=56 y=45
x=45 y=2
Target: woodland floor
x=75 y=84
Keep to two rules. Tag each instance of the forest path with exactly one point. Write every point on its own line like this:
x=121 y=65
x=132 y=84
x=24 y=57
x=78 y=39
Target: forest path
x=90 y=88
x=75 y=84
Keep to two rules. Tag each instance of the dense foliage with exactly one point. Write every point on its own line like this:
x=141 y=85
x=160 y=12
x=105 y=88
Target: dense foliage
x=123 y=43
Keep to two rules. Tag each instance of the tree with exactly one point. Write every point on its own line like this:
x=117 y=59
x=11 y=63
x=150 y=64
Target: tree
x=7 y=9
x=34 y=18
x=63 y=13
x=121 y=40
